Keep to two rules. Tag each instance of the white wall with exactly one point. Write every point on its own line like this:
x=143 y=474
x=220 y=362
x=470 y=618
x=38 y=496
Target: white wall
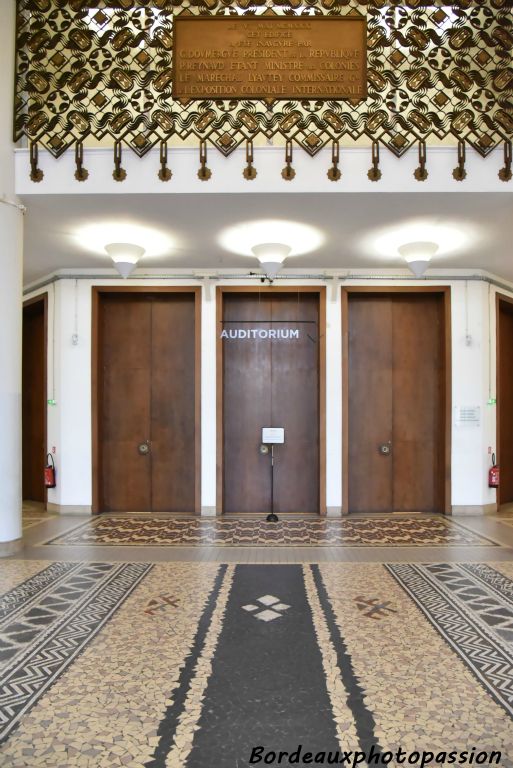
x=472 y=378
x=208 y=399
x=69 y=421
x=227 y=172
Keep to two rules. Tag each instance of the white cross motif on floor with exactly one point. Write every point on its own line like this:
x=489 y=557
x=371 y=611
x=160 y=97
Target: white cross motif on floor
x=272 y=611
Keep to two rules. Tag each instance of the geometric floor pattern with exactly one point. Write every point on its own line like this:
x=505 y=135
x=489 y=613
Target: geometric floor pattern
x=173 y=665
x=472 y=607
x=115 y=530
x=47 y=620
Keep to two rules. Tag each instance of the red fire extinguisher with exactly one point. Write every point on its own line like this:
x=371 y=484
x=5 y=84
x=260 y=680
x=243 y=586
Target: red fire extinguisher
x=49 y=472
x=493 y=474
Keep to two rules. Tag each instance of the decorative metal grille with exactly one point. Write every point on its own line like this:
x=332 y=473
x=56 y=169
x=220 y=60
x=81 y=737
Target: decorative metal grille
x=103 y=68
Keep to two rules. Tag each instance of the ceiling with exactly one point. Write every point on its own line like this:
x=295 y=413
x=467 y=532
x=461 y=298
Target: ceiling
x=358 y=231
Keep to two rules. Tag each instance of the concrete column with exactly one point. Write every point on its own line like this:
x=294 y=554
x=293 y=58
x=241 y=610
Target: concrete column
x=11 y=262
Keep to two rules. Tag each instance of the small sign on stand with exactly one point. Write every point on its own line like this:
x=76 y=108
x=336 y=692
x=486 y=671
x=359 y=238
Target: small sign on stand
x=272 y=436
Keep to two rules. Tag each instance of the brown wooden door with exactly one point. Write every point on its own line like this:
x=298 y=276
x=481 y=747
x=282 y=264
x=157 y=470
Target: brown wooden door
x=505 y=398
x=34 y=401
x=172 y=428
x=147 y=402
x=370 y=403
x=396 y=402
x=271 y=383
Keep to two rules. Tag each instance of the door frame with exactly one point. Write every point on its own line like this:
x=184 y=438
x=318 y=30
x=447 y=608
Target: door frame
x=97 y=292
x=43 y=299
x=504 y=299
x=321 y=291
x=445 y=291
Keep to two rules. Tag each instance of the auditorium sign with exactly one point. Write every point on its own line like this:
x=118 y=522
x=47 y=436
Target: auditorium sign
x=260 y=333
x=270 y=57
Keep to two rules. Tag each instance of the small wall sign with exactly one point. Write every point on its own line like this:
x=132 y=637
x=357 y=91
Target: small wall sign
x=467 y=416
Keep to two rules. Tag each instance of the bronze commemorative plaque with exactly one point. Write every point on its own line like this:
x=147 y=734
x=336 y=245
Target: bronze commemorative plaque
x=270 y=57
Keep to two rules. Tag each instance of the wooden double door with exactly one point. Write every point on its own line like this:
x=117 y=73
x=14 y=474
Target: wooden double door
x=147 y=401
x=271 y=378
x=396 y=401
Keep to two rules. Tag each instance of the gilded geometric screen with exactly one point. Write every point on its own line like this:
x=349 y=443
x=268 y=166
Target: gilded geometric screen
x=104 y=68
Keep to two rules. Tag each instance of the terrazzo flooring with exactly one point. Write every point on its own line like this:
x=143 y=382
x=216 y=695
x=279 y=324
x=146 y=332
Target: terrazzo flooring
x=123 y=661
x=118 y=530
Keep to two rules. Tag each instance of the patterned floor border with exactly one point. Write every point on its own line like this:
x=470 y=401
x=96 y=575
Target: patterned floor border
x=119 y=530
x=47 y=620
x=471 y=606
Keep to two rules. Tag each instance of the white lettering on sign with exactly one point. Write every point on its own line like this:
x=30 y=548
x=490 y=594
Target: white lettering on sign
x=260 y=333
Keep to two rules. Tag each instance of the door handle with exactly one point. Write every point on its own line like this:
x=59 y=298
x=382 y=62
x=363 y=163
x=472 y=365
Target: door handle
x=144 y=448
x=385 y=448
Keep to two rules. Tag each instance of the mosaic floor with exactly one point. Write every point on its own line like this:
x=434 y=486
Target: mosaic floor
x=190 y=665
x=133 y=531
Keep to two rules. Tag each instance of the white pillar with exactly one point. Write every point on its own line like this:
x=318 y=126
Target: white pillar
x=11 y=239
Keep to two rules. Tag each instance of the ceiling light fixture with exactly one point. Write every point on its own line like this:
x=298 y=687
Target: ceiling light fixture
x=241 y=237
x=125 y=256
x=418 y=255
x=271 y=257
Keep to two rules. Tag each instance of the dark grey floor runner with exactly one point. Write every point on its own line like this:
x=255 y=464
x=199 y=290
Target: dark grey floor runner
x=267 y=686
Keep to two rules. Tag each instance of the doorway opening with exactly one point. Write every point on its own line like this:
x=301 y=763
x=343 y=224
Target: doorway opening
x=396 y=399
x=270 y=373
x=34 y=378
x=504 y=314
x=146 y=400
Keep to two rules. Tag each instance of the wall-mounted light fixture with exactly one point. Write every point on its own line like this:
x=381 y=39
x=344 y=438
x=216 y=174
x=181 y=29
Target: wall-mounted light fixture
x=125 y=256
x=418 y=255
x=271 y=257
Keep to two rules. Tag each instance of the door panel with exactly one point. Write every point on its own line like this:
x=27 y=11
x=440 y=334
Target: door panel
x=173 y=404
x=271 y=382
x=126 y=369
x=417 y=403
x=370 y=403
x=246 y=405
x=295 y=398
x=396 y=390
x=147 y=395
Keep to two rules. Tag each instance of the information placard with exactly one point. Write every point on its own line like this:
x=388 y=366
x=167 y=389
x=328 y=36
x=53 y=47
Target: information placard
x=277 y=57
x=273 y=435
